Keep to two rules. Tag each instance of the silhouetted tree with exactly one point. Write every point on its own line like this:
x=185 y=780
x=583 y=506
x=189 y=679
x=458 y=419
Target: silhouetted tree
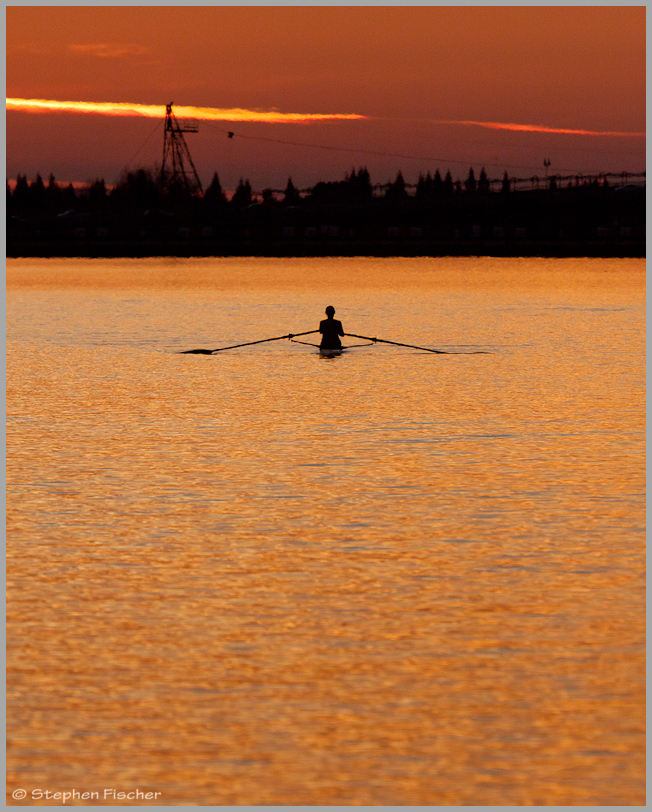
x=268 y=197
x=214 y=195
x=69 y=198
x=437 y=185
x=396 y=191
x=37 y=193
x=448 y=186
x=97 y=196
x=53 y=195
x=357 y=188
x=139 y=190
x=20 y=194
x=321 y=192
x=469 y=183
x=552 y=183
x=332 y=193
x=483 y=183
x=242 y=195
x=505 y=187
x=424 y=187
x=291 y=195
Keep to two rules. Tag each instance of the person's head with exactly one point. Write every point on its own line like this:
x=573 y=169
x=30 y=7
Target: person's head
x=330 y=311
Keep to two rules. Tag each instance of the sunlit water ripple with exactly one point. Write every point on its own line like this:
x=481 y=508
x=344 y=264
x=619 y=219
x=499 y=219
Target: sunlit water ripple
x=263 y=577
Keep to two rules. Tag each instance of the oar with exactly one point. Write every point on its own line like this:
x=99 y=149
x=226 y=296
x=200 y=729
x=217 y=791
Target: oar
x=397 y=343
x=414 y=347
x=305 y=343
x=247 y=344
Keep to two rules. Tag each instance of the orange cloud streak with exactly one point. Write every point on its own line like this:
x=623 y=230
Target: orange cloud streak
x=535 y=128
x=158 y=111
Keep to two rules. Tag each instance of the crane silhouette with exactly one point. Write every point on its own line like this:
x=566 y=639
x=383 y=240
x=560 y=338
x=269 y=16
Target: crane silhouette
x=177 y=168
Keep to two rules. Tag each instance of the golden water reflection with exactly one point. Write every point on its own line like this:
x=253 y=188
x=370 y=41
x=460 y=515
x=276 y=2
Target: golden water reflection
x=387 y=578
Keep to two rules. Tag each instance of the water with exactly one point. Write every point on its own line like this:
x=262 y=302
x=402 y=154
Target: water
x=389 y=578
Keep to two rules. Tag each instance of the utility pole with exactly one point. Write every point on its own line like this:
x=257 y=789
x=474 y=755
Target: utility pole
x=177 y=168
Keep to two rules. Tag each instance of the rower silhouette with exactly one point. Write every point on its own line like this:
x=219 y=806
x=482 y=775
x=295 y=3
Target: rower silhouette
x=331 y=330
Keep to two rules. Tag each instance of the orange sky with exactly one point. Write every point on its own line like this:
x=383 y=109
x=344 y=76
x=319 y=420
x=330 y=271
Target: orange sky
x=427 y=80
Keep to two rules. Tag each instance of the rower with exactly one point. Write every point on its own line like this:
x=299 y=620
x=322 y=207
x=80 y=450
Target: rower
x=331 y=330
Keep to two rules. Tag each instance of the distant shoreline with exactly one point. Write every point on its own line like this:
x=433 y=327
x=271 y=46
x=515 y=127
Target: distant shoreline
x=341 y=219
x=93 y=249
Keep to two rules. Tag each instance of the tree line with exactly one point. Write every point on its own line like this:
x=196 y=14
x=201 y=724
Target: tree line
x=438 y=213
x=142 y=189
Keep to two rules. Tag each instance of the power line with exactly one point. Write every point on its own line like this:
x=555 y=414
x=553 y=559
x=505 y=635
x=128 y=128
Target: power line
x=138 y=151
x=422 y=159
x=231 y=134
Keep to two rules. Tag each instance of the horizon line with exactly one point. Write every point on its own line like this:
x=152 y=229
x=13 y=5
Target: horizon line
x=78 y=184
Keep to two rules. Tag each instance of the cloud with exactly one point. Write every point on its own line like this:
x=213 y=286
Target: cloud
x=158 y=111
x=536 y=128
x=104 y=50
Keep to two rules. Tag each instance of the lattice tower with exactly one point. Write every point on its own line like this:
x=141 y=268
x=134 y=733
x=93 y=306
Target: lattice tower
x=177 y=168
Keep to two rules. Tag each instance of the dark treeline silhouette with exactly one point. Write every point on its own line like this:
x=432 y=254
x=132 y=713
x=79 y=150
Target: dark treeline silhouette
x=437 y=215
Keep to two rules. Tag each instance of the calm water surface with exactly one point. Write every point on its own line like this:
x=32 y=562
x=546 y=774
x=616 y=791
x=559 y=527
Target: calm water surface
x=263 y=577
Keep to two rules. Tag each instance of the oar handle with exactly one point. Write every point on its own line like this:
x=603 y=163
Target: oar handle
x=307 y=333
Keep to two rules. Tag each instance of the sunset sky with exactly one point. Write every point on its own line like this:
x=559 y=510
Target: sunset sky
x=392 y=88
